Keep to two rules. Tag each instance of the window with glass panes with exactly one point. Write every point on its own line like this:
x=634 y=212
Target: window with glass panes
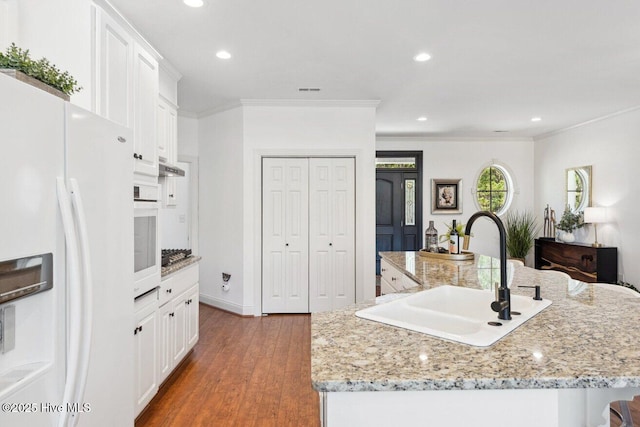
x=493 y=189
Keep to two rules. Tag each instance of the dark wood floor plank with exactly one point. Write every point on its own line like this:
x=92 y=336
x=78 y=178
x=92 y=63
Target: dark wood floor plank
x=243 y=372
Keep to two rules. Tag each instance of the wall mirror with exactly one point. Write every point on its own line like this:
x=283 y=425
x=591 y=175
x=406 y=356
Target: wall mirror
x=578 y=185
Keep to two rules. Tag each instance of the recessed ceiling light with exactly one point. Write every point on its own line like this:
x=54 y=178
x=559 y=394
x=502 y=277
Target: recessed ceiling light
x=194 y=3
x=535 y=119
x=422 y=119
x=422 y=57
x=223 y=54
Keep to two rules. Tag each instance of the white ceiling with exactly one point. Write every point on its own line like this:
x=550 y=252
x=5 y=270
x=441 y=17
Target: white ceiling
x=495 y=63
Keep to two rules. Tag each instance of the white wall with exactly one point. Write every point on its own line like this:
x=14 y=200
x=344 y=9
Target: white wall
x=332 y=128
x=612 y=146
x=465 y=159
x=221 y=208
x=231 y=145
x=187 y=136
x=61 y=31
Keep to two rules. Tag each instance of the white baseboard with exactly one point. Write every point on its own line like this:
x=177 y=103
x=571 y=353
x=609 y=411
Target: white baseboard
x=226 y=305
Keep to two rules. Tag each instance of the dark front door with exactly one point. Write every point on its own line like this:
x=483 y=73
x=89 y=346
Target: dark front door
x=398 y=211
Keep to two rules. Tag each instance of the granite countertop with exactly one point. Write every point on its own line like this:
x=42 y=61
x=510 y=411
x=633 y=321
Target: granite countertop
x=165 y=271
x=588 y=338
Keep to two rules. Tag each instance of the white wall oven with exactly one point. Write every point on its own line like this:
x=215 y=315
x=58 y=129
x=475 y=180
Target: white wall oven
x=146 y=239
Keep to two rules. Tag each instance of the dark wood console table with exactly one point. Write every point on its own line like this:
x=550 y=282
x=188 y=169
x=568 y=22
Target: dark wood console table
x=581 y=261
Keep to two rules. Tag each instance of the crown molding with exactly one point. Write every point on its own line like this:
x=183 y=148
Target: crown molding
x=585 y=123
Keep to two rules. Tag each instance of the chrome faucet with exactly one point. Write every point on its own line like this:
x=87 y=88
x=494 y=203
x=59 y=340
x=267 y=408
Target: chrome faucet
x=502 y=305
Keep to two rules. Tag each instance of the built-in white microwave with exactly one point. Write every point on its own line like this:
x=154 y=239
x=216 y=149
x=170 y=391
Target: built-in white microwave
x=146 y=264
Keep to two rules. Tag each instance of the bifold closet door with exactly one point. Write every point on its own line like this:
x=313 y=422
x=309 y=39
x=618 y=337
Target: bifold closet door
x=331 y=233
x=285 y=235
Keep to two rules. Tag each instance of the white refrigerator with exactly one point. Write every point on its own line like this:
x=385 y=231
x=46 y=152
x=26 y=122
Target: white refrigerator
x=66 y=353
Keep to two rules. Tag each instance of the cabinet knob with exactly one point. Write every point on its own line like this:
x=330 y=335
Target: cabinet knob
x=286 y=244
x=168 y=291
x=171 y=195
x=135 y=155
x=140 y=156
x=393 y=278
x=122 y=140
x=383 y=269
x=330 y=244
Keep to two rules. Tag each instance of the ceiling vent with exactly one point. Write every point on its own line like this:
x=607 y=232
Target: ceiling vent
x=308 y=89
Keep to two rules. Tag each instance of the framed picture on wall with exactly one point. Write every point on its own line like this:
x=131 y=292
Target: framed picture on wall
x=445 y=196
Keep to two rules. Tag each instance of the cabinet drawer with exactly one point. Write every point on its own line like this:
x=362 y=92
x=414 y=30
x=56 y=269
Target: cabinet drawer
x=392 y=276
x=178 y=282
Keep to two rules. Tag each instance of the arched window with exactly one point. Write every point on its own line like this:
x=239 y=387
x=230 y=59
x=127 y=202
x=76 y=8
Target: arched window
x=494 y=189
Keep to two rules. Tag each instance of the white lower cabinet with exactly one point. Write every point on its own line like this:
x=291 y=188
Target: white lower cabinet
x=166 y=329
x=392 y=280
x=145 y=344
x=193 y=316
x=178 y=320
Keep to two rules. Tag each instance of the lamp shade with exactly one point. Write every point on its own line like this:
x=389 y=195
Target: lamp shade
x=595 y=215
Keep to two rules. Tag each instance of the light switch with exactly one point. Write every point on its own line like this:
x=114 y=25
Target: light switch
x=182 y=218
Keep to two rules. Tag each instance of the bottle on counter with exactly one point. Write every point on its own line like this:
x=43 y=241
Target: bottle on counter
x=431 y=238
x=454 y=240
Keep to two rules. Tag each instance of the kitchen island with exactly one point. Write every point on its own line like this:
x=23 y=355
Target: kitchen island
x=560 y=368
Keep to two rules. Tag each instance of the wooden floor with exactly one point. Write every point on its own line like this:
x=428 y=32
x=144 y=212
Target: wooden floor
x=248 y=372
x=243 y=372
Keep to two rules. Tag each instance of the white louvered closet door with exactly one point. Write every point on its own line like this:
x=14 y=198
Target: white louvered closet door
x=331 y=233
x=285 y=235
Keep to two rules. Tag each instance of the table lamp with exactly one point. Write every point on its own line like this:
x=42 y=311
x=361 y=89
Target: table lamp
x=595 y=215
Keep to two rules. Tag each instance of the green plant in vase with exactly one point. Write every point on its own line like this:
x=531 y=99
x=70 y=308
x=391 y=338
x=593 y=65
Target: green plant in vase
x=568 y=222
x=522 y=229
x=19 y=59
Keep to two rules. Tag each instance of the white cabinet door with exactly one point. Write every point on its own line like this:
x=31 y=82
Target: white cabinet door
x=114 y=71
x=285 y=285
x=146 y=336
x=392 y=279
x=145 y=107
x=165 y=344
x=193 y=318
x=331 y=233
x=179 y=319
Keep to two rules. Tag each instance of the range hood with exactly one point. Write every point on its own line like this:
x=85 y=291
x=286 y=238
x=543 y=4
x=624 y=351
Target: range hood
x=165 y=169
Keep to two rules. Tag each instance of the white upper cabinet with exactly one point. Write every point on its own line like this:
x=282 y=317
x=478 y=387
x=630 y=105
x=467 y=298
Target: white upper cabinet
x=127 y=85
x=114 y=74
x=163 y=129
x=168 y=129
x=145 y=104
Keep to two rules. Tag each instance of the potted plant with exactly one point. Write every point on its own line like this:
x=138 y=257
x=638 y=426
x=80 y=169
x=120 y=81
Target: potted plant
x=569 y=222
x=521 y=229
x=41 y=73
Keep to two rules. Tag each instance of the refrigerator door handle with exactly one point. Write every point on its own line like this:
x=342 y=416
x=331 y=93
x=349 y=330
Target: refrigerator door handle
x=74 y=290
x=87 y=291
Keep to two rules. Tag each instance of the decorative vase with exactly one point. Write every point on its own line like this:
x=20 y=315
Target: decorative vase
x=568 y=237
